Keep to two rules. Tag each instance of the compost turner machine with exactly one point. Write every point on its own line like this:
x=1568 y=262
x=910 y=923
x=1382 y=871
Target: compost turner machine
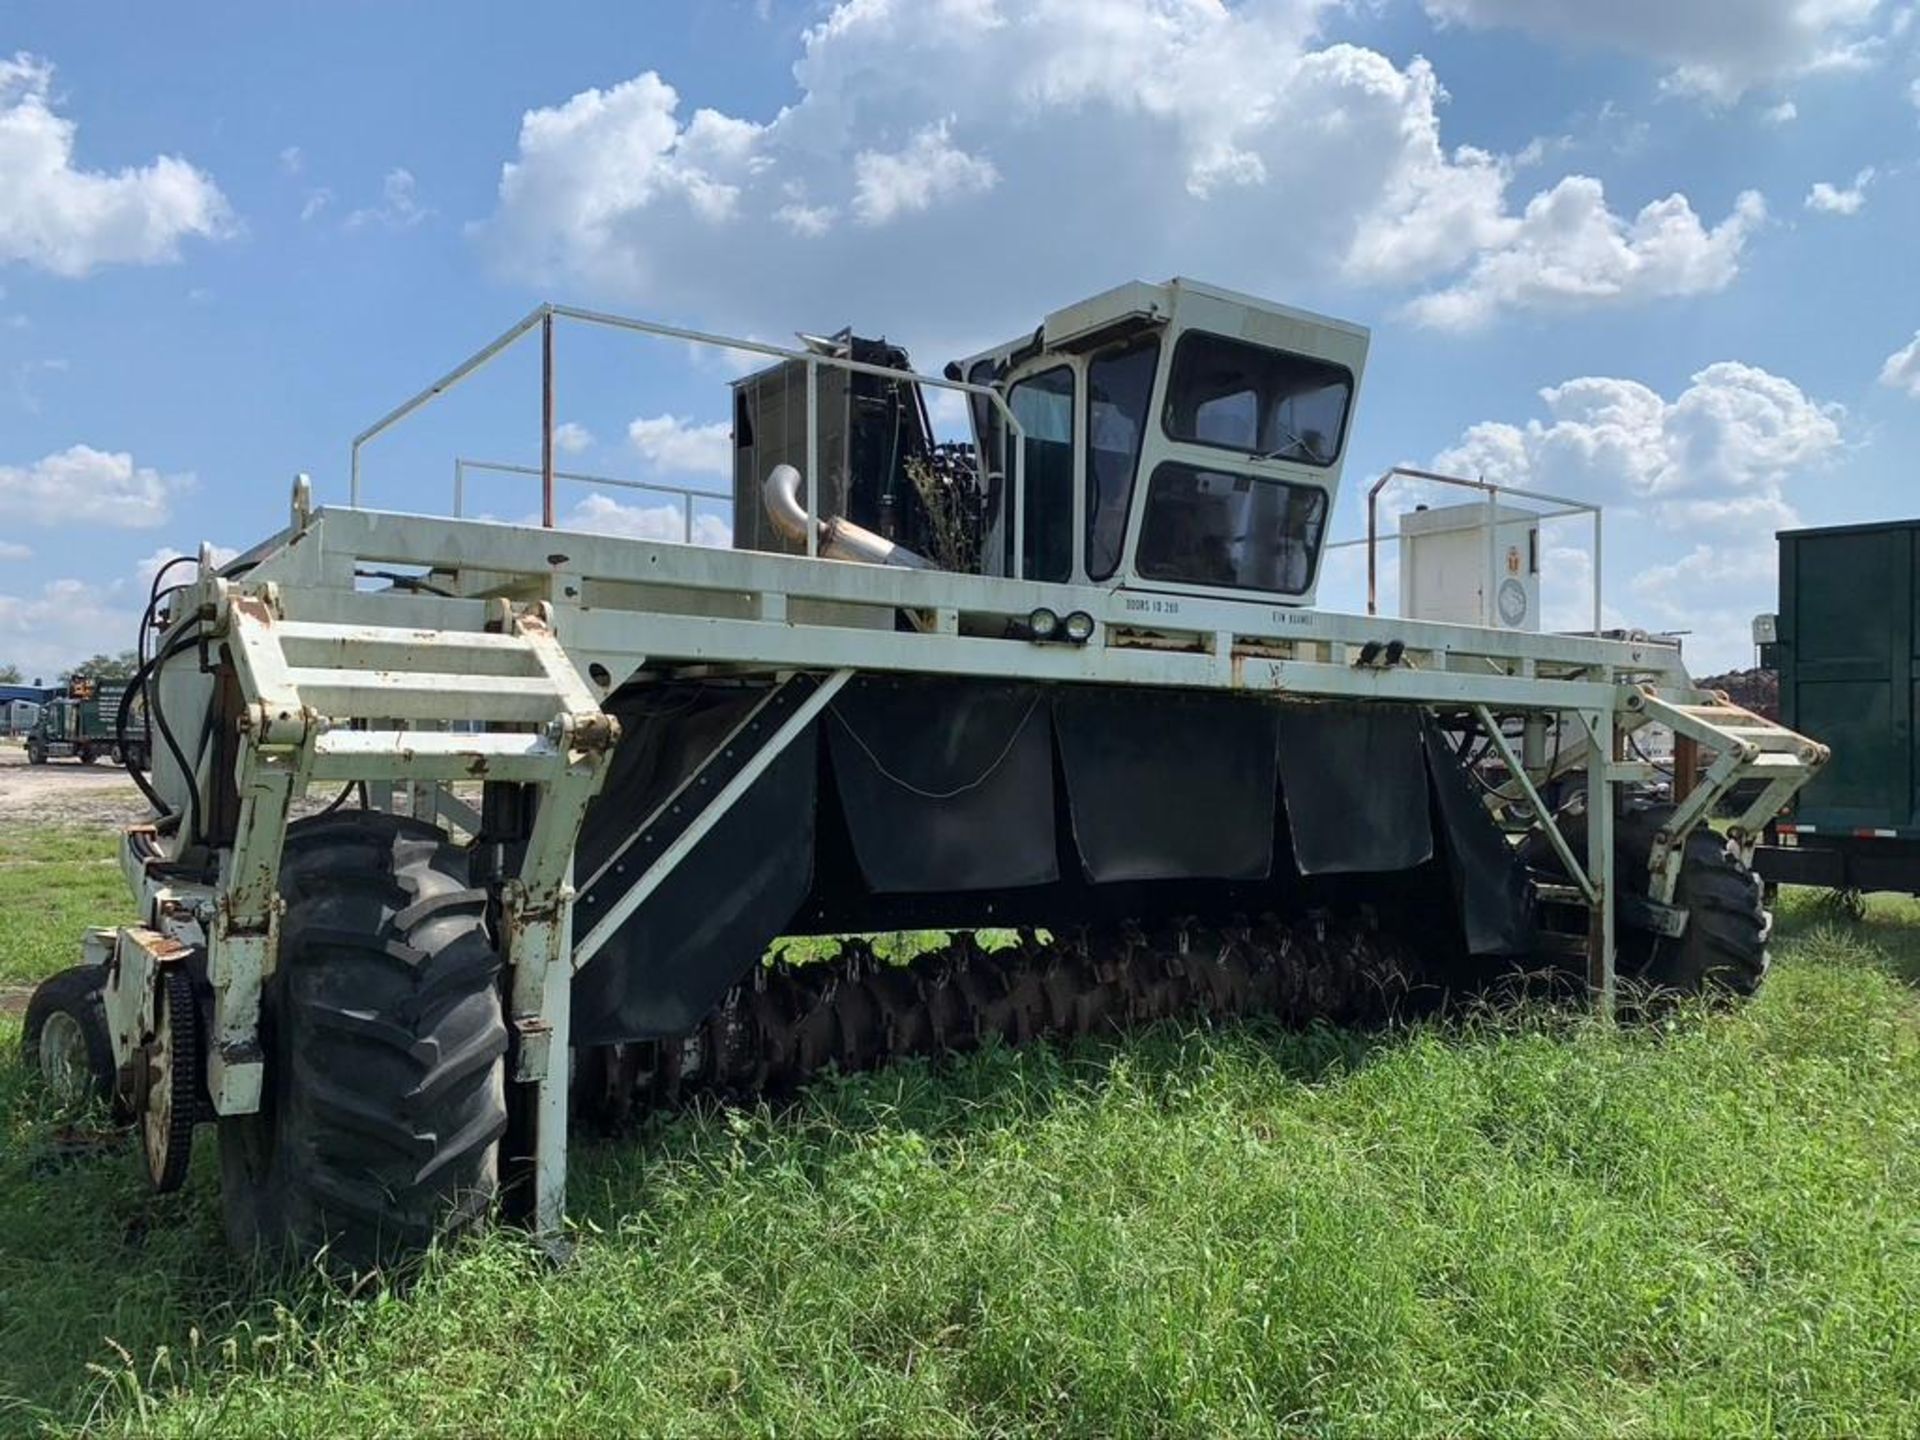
x=467 y=828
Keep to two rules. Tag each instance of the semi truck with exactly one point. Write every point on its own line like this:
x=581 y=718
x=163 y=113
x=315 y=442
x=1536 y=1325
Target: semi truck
x=85 y=724
x=1846 y=646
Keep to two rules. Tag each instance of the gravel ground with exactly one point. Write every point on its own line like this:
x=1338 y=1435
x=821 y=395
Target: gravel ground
x=65 y=792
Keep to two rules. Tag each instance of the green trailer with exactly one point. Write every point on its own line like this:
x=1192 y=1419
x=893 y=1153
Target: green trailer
x=1846 y=643
x=84 y=725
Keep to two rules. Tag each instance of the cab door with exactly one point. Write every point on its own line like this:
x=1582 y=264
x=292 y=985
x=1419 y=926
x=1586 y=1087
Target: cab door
x=1045 y=401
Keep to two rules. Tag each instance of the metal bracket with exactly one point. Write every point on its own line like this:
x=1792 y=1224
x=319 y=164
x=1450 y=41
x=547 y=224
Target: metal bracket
x=1745 y=745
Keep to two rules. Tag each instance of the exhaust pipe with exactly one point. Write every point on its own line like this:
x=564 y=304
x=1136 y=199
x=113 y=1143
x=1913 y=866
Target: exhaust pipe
x=840 y=538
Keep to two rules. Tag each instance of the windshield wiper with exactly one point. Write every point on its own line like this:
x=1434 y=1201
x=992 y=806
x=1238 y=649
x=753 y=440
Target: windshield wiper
x=1294 y=442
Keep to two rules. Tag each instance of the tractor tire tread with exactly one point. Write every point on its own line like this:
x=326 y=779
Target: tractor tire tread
x=386 y=1066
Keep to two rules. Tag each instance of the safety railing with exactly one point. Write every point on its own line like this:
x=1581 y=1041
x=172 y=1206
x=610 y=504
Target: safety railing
x=1494 y=494
x=543 y=319
x=686 y=496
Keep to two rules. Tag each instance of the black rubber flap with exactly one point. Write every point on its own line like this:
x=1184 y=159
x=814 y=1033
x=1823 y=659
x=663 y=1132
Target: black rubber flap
x=1496 y=902
x=947 y=784
x=1167 y=786
x=666 y=732
x=711 y=920
x=1354 y=781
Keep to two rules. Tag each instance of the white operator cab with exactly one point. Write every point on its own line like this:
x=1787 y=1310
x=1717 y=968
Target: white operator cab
x=1180 y=439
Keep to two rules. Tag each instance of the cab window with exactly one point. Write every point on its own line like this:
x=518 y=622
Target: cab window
x=1043 y=404
x=989 y=438
x=1257 y=401
x=1241 y=532
x=1119 y=389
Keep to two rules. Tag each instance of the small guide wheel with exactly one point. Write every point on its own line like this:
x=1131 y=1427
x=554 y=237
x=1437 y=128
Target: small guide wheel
x=170 y=1082
x=65 y=1038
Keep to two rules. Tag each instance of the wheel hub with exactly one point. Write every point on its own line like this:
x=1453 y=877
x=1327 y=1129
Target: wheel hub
x=63 y=1058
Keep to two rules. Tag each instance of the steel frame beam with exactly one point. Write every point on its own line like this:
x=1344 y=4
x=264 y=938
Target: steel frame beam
x=631 y=584
x=1602 y=934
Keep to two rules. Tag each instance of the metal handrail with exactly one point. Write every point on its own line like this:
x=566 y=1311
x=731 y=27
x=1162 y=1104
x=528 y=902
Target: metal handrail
x=686 y=493
x=1493 y=492
x=543 y=317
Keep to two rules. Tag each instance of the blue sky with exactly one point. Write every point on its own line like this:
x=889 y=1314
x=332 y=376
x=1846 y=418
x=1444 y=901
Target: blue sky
x=1654 y=254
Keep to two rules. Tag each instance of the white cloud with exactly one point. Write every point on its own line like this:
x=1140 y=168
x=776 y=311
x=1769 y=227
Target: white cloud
x=604 y=515
x=84 y=486
x=570 y=437
x=69 y=220
x=1707 y=50
x=1569 y=251
x=147 y=566
x=1704 y=477
x=930 y=171
x=679 y=447
x=808 y=221
x=292 y=160
x=1566 y=585
x=1734 y=428
x=14 y=550
x=48 y=631
x=1109 y=139
x=1834 y=200
x=588 y=169
x=1785 y=113
x=26 y=374
x=316 y=201
x=400 y=208
x=1902 y=368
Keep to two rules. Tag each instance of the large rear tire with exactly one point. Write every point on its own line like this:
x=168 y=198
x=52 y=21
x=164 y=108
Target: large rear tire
x=385 y=1095
x=1724 y=948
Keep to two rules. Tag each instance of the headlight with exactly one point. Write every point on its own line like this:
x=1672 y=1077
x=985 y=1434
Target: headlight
x=1043 y=624
x=1079 y=627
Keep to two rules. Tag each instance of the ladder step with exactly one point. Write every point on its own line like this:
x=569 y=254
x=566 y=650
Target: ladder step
x=1557 y=893
x=1760 y=734
x=408 y=650
x=1711 y=712
x=435 y=755
x=427 y=695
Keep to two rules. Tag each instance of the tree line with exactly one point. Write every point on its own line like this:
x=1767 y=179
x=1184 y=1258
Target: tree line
x=100 y=667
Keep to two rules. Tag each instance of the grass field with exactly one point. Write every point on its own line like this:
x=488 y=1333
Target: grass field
x=1524 y=1225
x=53 y=885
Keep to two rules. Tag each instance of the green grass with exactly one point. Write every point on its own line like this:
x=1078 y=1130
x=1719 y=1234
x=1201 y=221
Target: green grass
x=54 y=883
x=1529 y=1225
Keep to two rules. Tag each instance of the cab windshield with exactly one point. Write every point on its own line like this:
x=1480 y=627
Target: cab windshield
x=1255 y=401
x=1240 y=532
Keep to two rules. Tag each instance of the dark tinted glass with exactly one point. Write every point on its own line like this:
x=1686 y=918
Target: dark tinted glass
x=1043 y=404
x=1119 y=389
x=1246 y=532
x=1256 y=400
